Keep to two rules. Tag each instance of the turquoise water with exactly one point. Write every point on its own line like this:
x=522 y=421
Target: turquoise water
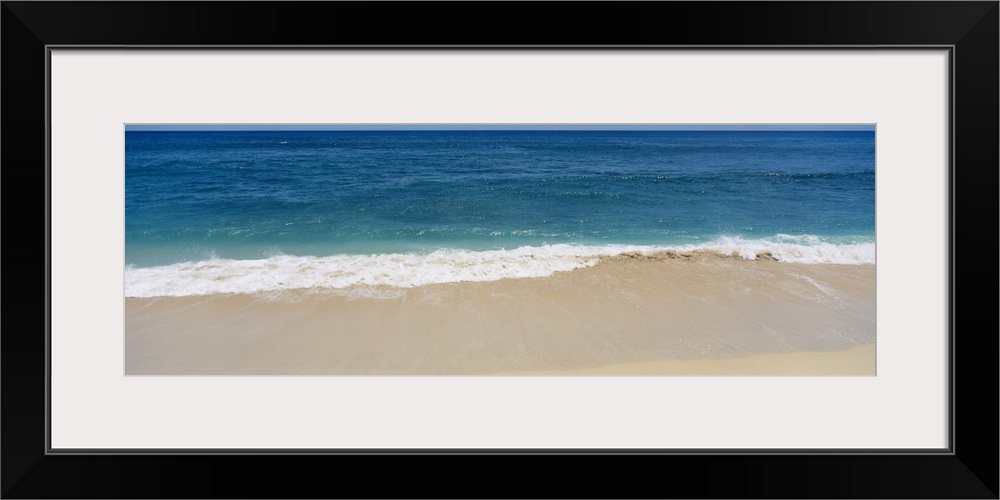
x=233 y=200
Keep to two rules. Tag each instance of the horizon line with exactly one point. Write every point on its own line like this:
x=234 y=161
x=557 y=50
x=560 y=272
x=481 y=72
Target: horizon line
x=499 y=127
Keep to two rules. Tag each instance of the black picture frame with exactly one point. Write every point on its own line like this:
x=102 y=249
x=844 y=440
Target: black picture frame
x=968 y=470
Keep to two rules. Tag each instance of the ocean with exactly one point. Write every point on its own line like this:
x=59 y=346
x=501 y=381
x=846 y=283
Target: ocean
x=209 y=212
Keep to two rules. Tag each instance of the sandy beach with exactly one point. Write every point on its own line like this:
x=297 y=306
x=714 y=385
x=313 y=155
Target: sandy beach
x=663 y=314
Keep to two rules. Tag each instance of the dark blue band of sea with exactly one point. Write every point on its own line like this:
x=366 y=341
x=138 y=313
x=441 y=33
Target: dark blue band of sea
x=189 y=195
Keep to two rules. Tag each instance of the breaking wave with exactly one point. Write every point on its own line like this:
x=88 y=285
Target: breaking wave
x=288 y=272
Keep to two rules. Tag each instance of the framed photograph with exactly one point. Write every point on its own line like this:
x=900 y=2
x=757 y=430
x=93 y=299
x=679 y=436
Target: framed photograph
x=500 y=249
x=728 y=251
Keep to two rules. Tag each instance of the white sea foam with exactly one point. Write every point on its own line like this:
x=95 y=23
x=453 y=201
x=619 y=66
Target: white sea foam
x=806 y=249
x=288 y=272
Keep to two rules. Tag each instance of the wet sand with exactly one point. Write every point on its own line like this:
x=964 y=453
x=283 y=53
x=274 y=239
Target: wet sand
x=666 y=314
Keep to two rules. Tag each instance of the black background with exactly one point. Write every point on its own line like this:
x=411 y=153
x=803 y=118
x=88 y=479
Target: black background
x=971 y=472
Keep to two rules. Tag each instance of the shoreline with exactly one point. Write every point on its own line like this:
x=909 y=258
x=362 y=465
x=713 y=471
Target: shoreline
x=629 y=315
x=291 y=273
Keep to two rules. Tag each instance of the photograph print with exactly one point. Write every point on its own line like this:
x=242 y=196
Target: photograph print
x=500 y=250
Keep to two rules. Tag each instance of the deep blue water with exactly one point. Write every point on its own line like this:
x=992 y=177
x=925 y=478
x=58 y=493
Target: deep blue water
x=191 y=196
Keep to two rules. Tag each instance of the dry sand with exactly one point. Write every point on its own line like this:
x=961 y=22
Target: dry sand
x=630 y=315
x=858 y=360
